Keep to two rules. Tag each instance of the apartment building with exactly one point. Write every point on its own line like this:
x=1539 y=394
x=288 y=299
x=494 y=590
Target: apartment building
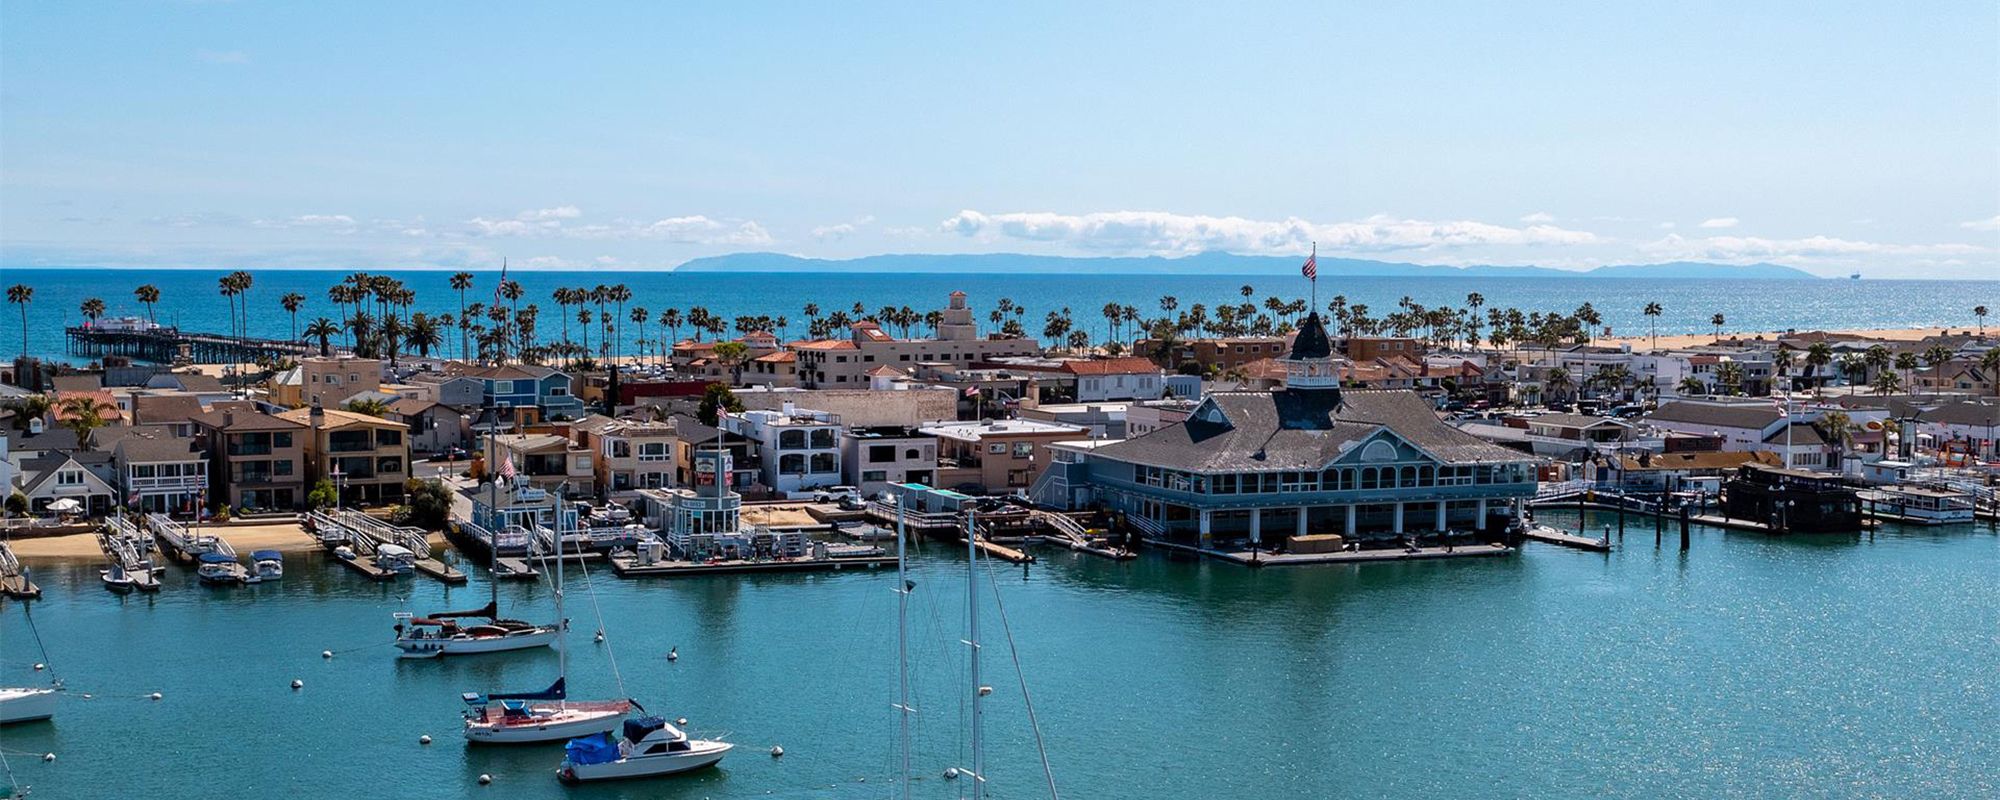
x=996 y=456
x=367 y=458
x=799 y=448
x=873 y=459
x=255 y=461
x=844 y=363
x=628 y=455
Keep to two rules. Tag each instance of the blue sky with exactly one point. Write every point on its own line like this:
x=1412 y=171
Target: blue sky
x=1830 y=136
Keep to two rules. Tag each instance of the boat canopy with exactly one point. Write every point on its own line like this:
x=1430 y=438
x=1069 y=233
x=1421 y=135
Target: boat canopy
x=392 y=551
x=636 y=728
x=267 y=555
x=593 y=749
x=216 y=558
x=490 y=611
x=556 y=691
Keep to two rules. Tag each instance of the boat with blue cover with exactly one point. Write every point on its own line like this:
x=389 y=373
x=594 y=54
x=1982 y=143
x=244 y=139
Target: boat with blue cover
x=649 y=747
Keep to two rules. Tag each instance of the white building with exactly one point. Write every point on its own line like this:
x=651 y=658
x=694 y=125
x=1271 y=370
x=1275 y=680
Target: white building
x=799 y=448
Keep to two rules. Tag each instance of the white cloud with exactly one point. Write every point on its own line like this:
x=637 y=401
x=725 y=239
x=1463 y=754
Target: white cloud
x=1167 y=233
x=556 y=223
x=1719 y=222
x=222 y=56
x=336 y=223
x=1539 y=218
x=837 y=232
x=1989 y=224
x=1666 y=226
x=544 y=214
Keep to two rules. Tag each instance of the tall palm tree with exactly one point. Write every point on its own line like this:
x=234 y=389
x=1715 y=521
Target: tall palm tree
x=1980 y=312
x=1653 y=312
x=149 y=296
x=1818 y=356
x=1783 y=363
x=92 y=309
x=292 y=302
x=1692 y=385
x=1558 y=381
x=1935 y=357
x=461 y=281
x=639 y=315
x=1729 y=377
x=621 y=294
x=21 y=294
x=1989 y=363
x=1878 y=358
x=422 y=334
x=1907 y=362
x=324 y=330
x=1718 y=321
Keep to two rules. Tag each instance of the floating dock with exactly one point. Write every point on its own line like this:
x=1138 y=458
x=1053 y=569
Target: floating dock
x=1557 y=536
x=366 y=535
x=1071 y=534
x=628 y=565
x=1731 y=523
x=180 y=543
x=515 y=569
x=13 y=578
x=1263 y=559
x=127 y=548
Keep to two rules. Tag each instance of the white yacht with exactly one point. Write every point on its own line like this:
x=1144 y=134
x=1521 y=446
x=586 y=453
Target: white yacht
x=650 y=747
x=441 y=634
x=545 y=716
x=20 y=704
x=266 y=565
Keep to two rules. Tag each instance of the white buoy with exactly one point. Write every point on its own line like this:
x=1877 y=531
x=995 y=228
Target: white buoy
x=40 y=666
x=485 y=779
x=985 y=690
x=424 y=739
x=47 y=757
x=777 y=752
x=951 y=773
x=326 y=654
x=683 y=721
x=673 y=654
x=298 y=684
x=155 y=695
x=599 y=637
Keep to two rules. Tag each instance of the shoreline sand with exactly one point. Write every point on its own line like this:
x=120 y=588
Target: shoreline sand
x=285 y=537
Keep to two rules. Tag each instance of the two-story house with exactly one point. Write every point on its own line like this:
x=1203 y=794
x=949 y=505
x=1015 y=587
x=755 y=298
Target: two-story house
x=1129 y=378
x=874 y=458
x=255 y=460
x=627 y=454
x=525 y=393
x=367 y=458
x=996 y=456
x=158 y=471
x=799 y=448
x=545 y=461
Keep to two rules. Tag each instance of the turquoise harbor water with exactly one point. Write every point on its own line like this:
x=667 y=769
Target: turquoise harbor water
x=189 y=299
x=1754 y=667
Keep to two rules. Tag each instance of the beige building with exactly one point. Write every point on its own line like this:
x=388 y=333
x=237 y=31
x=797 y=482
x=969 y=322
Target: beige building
x=256 y=461
x=367 y=458
x=326 y=380
x=628 y=455
x=844 y=363
x=995 y=456
x=546 y=461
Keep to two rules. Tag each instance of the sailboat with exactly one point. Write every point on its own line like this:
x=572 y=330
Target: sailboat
x=547 y=715
x=441 y=634
x=29 y=703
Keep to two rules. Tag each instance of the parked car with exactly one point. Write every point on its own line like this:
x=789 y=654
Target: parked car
x=837 y=494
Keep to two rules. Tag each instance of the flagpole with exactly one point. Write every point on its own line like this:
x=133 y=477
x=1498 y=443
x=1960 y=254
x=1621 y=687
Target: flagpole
x=1314 y=280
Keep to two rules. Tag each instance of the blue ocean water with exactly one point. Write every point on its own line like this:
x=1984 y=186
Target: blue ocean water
x=189 y=297
x=1746 y=667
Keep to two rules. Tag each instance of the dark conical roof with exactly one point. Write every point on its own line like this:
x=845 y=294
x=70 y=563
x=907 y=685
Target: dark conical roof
x=1311 y=342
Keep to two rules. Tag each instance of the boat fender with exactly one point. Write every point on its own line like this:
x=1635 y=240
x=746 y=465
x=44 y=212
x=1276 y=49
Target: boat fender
x=485 y=779
x=424 y=739
x=777 y=752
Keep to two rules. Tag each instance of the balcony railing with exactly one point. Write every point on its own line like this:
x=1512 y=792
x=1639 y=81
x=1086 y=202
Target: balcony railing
x=175 y=483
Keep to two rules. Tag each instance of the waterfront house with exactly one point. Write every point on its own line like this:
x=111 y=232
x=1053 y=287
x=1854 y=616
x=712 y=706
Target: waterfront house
x=1740 y=424
x=367 y=458
x=996 y=456
x=434 y=427
x=159 y=471
x=1801 y=445
x=545 y=461
x=1580 y=430
x=1310 y=458
x=1970 y=428
x=799 y=448
x=81 y=475
x=255 y=460
x=746 y=467
x=627 y=454
x=1647 y=471
x=875 y=458
x=524 y=394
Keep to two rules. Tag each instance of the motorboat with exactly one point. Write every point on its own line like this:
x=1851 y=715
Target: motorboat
x=649 y=747
x=545 y=716
x=441 y=634
x=219 y=569
x=610 y=515
x=395 y=558
x=19 y=704
x=117 y=579
x=267 y=565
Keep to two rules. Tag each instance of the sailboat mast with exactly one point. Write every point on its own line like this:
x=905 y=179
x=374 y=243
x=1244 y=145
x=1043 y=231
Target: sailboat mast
x=902 y=652
x=972 y=626
x=562 y=622
x=494 y=520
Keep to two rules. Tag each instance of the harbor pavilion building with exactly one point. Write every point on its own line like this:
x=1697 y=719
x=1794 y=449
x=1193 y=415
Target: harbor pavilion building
x=1310 y=458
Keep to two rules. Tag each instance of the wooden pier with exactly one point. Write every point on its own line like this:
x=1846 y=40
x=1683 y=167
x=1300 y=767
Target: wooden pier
x=515 y=569
x=182 y=544
x=1069 y=533
x=169 y=345
x=365 y=536
x=127 y=548
x=1259 y=558
x=14 y=578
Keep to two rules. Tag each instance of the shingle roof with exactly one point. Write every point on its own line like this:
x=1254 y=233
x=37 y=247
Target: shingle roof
x=1721 y=415
x=1700 y=459
x=1299 y=430
x=77 y=383
x=143 y=449
x=237 y=420
x=1804 y=434
x=1128 y=365
x=156 y=408
x=1974 y=414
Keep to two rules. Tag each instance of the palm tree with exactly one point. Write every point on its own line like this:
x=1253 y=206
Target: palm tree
x=1989 y=363
x=1836 y=427
x=92 y=309
x=292 y=301
x=1878 y=358
x=1818 y=356
x=148 y=295
x=82 y=413
x=1783 y=363
x=670 y=318
x=1692 y=385
x=422 y=334
x=1718 y=321
x=1887 y=383
x=1980 y=312
x=461 y=281
x=21 y=294
x=1653 y=312
x=1558 y=382
x=1907 y=362
x=1729 y=377
x=324 y=330
x=1935 y=357
x=639 y=316
x=621 y=294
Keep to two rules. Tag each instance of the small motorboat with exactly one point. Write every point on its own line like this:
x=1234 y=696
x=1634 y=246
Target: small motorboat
x=395 y=558
x=344 y=553
x=441 y=634
x=220 y=569
x=649 y=748
x=117 y=579
x=267 y=565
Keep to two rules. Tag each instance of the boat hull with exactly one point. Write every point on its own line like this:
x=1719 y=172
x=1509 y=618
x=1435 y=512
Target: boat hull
x=475 y=645
x=550 y=725
x=26 y=705
x=700 y=755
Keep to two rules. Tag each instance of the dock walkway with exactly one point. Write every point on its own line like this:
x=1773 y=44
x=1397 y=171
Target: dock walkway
x=1259 y=558
x=628 y=565
x=1551 y=535
x=13 y=578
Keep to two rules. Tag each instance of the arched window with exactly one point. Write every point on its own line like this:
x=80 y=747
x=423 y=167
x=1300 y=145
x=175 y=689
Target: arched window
x=1409 y=476
x=792 y=463
x=822 y=438
x=792 y=440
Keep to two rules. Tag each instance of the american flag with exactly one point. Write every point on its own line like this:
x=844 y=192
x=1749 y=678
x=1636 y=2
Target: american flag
x=507 y=468
x=1311 y=268
x=971 y=391
x=500 y=283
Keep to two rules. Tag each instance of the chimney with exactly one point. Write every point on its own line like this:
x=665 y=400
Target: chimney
x=229 y=418
x=317 y=415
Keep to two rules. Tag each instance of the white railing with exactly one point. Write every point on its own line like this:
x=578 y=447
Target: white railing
x=1146 y=525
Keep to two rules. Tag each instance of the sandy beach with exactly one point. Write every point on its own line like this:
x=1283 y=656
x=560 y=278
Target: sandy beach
x=1676 y=341
x=285 y=537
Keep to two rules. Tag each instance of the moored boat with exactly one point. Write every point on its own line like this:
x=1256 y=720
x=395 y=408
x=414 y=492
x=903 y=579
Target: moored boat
x=441 y=634
x=545 y=716
x=117 y=579
x=21 y=704
x=219 y=569
x=267 y=565
x=649 y=747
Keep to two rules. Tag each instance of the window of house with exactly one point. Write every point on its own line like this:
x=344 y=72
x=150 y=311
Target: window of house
x=69 y=477
x=388 y=438
x=874 y=476
x=792 y=463
x=354 y=377
x=878 y=453
x=143 y=471
x=389 y=464
x=825 y=462
x=281 y=467
x=822 y=438
x=913 y=454
x=1024 y=449
x=792 y=440
x=281 y=439
x=653 y=451
x=997 y=448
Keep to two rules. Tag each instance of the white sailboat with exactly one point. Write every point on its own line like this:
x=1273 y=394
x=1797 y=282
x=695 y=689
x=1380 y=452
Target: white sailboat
x=29 y=703
x=441 y=634
x=547 y=715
